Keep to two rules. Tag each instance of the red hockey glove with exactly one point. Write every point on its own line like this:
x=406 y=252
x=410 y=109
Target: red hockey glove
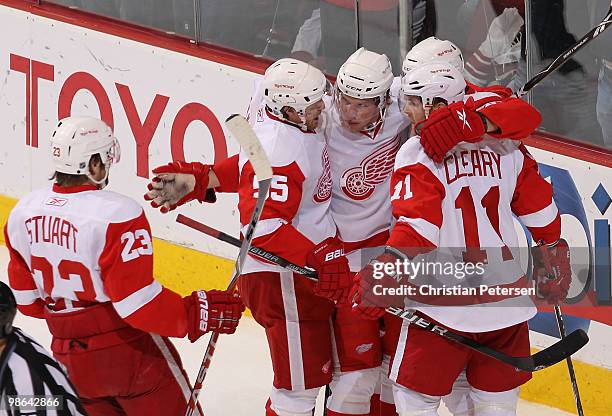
x=177 y=183
x=212 y=310
x=552 y=272
x=327 y=258
x=365 y=302
x=447 y=126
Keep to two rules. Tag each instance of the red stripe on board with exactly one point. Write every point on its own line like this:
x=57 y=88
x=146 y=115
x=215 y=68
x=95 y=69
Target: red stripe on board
x=571 y=148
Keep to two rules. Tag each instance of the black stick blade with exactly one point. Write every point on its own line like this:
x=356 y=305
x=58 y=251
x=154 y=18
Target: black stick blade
x=560 y=350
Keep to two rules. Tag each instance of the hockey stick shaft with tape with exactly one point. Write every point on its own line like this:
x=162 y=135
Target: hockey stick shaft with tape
x=570 y=364
x=566 y=55
x=545 y=358
x=262 y=254
x=243 y=133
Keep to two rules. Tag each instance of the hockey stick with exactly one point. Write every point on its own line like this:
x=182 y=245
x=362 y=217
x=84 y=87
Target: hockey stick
x=545 y=358
x=570 y=365
x=243 y=133
x=357 y=26
x=564 y=57
x=263 y=254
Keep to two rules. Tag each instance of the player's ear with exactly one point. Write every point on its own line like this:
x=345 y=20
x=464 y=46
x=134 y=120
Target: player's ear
x=95 y=163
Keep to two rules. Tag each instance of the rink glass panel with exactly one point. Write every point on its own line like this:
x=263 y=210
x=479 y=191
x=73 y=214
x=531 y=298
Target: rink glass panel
x=503 y=41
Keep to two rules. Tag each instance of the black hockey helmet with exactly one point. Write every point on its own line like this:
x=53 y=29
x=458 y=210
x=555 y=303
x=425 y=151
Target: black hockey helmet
x=8 y=309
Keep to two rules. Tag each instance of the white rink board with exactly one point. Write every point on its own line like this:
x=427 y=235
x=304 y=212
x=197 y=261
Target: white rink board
x=146 y=71
x=115 y=63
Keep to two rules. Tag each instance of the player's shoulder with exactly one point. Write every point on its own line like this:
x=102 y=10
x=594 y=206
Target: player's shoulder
x=34 y=196
x=115 y=207
x=412 y=153
x=282 y=142
x=97 y=206
x=32 y=199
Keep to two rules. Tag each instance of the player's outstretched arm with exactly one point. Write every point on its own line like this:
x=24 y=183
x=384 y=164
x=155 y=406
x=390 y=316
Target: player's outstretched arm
x=509 y=118
x=512 y=117
x=177 y=183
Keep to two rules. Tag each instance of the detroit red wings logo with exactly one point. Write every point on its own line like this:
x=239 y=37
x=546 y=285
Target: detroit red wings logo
x=324 y=184
x=359 y=182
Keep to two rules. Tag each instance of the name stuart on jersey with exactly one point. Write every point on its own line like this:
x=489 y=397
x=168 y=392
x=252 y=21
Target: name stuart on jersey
x=52 y=230
x=476 y=162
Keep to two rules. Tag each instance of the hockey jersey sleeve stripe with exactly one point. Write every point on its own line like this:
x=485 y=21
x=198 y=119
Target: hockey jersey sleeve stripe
x=138 y=299
x=25 y=297
x=424 y=228
x=540 y=218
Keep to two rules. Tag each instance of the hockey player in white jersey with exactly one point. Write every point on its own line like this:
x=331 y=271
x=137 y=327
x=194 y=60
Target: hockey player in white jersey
x=297 y=211
x=356 y=341
x=364 y=133
x=510 y=118
x=466 y=201
x=82 y=259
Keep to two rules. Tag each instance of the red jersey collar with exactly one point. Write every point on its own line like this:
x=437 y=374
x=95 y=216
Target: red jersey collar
x=273 y=117
x=73 y=189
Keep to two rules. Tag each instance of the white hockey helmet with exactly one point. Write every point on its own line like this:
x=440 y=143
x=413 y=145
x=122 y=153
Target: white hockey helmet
x=433 y=49
x=434 y=80
x=292 y=83
x=76 y=139
x=366 y=74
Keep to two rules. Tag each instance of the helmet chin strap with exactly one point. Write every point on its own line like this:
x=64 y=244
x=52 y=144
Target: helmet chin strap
x=302 y=125
x=370 y=128
x=427 y=109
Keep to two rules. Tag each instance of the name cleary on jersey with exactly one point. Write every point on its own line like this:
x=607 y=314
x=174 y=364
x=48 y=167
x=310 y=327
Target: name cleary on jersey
x=53 y=230
x=476 y=162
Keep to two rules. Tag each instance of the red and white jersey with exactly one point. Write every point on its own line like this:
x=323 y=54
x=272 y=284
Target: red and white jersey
x=468 y=201
x=296 y=215
x=75 y=247
x=361 y=170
